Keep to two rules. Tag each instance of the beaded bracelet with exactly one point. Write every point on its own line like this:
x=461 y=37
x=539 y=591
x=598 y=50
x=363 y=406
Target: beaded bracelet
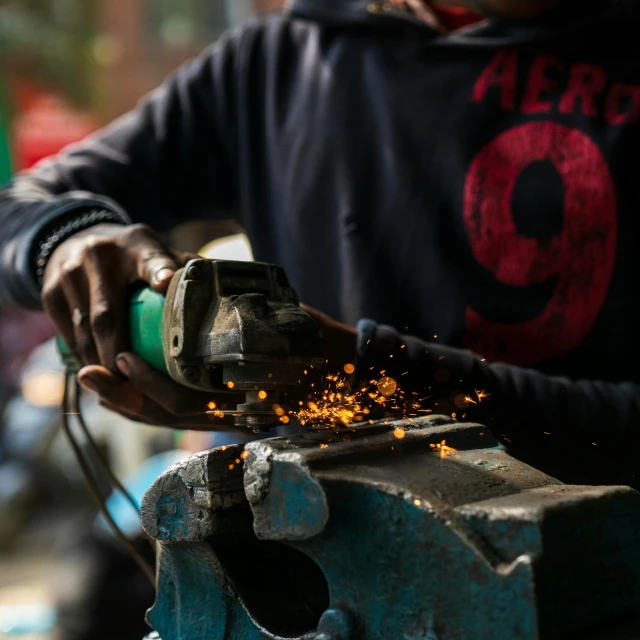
x=67 y=228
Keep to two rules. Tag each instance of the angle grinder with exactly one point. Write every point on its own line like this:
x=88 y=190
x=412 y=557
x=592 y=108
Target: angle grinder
x=227 y=327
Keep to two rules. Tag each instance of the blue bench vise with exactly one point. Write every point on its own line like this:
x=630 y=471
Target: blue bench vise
x=375 y=533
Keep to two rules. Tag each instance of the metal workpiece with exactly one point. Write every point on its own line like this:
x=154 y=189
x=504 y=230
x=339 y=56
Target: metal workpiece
x=412 y=530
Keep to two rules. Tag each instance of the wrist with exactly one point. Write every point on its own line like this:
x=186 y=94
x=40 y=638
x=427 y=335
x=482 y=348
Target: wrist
x=340 y=347
x=61 y=229
x=340 y=340
x=384 y=352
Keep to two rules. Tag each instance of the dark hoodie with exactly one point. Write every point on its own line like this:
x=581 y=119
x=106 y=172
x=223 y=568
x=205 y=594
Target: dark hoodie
x=481 y=187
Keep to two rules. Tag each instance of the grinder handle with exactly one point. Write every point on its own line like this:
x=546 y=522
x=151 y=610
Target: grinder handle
x=146 y=308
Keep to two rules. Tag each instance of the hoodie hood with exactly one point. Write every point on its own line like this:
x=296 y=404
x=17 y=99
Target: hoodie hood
x=361 y=12
x=581 y=16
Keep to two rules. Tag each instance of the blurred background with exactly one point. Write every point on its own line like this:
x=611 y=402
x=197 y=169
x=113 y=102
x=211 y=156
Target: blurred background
x=67 y=67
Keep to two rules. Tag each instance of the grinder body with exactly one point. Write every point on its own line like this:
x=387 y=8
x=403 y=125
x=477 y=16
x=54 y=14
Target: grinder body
x=226 y=326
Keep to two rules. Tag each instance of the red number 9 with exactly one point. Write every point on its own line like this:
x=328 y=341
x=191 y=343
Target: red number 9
x=581 y=257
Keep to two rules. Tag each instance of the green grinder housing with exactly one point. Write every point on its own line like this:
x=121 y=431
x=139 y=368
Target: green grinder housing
x=146 y=308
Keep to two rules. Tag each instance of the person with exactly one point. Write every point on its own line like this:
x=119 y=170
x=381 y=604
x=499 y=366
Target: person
x=456 y=179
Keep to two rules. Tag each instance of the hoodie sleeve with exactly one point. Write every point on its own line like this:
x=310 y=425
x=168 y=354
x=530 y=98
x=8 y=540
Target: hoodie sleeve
x=166 y=162
x=542 y=419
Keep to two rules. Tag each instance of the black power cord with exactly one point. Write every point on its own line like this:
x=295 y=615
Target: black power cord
x=71 y=407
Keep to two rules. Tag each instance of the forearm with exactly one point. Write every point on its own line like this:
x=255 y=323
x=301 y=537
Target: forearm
x=164 y=163
x=522 y=404
x=28 y=211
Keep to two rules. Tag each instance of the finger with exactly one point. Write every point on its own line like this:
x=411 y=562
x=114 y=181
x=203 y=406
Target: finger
x=112 y=388
x=175 y=399
x=154 y=415
x=182 y=257
x=55 y=305
x=422 y=10
x=150 y=414
x=154 y=263
x=107 y=291
x=129 y=416
x=122 y=397
x=76 y=291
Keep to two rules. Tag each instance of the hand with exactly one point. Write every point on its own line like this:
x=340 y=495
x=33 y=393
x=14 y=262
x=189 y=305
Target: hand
x=340 y=340
x=86 y=284
x=142 y=394
x=512 y=9
x=420 y=9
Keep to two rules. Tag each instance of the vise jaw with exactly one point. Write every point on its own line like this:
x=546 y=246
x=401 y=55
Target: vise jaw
x=369 y=534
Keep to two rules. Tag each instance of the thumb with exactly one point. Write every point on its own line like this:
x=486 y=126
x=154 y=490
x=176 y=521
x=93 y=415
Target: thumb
x=156 y=266
x=161 y=279
x=422 y=10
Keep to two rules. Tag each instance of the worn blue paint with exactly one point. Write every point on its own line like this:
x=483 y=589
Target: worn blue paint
x=338 y=623
x=372 y=545
x=608 y=547
x=411 y=557
x=208 y=611
x=304 y=509
x=120 y=509
x=412 y=548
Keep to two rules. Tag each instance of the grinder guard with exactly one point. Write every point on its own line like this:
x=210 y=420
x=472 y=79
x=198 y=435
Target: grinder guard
x=237 y=325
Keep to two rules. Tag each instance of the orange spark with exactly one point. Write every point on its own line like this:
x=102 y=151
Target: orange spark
x=338 y=405
x=349 y=369
x=445 y=451
x=387 y=386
